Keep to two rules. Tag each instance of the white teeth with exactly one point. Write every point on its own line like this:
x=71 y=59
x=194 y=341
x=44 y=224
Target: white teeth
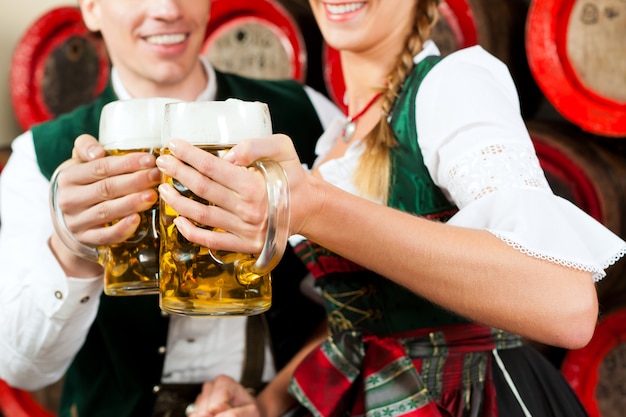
x=344 y=8
x=166 y=39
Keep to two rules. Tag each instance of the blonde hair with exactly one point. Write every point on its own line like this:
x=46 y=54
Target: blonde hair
x=373 y=175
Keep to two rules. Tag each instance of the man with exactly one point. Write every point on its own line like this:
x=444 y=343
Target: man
x=119 y=355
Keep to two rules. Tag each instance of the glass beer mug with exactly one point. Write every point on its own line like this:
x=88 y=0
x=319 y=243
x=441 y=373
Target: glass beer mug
x=199 y=281
x=131 y=267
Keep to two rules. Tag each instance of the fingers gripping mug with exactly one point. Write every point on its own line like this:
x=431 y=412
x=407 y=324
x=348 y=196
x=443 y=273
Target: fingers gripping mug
x=199 y=281
x=130 y=267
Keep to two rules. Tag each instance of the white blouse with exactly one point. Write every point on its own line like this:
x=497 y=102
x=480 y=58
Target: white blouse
x=478 y=150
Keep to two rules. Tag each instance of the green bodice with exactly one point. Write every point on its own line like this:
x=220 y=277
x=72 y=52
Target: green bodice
x=355 y=297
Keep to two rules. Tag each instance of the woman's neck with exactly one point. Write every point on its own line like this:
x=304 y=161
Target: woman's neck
x=363 y=78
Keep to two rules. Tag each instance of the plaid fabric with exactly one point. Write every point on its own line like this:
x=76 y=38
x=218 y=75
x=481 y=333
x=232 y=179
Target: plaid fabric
x=428 y=373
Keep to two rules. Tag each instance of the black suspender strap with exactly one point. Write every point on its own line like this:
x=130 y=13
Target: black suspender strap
x=254 y=360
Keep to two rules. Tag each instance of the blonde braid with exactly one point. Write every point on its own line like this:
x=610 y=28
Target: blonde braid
x=372 y=176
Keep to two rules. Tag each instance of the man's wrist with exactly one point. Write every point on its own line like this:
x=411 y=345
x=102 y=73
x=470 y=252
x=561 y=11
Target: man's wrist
x=72 y=264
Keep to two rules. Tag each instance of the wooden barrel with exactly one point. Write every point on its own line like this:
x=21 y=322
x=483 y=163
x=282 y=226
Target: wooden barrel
x=577 y=57
x=496 y=25
x=19 y=403
x=300 y=11
x=592 y=175
x=255 y=38
x=456 y=27
x=597 y=372
x=4 y=157
x=56 y=66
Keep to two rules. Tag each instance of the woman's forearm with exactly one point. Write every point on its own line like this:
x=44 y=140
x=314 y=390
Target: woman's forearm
x=519 y=293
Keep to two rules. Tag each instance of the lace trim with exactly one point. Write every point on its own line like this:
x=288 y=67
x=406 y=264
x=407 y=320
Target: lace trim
x=597 y=273
x=492 y=167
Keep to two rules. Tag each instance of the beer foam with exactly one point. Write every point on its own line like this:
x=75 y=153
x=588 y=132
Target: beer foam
x=216 y=122
x=133 y=123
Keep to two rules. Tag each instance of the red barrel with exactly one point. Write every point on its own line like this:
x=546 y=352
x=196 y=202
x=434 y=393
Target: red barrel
x=255 y=38
x=300 y=11
x=576 y=54
x=19 y=403
x=56 y=66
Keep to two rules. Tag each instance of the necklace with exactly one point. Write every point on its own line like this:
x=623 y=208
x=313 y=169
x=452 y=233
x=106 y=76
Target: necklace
x=350 y=126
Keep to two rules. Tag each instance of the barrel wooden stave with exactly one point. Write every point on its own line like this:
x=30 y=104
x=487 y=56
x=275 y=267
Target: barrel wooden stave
x=576 y=55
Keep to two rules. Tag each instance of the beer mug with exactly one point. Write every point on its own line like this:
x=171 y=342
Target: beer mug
x=199 y=281
x=131 y=267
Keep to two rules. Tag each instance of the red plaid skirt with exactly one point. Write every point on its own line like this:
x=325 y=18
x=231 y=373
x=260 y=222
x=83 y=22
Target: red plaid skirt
x=434 y=372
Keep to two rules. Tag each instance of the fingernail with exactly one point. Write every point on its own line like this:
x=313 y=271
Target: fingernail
x=180 y=223
x=133 y=219
x=230 y=156
x=164 y=189
x=149 y=196
x=92 y=152
x=147 y=161
x=155 y=175
x=163 y=161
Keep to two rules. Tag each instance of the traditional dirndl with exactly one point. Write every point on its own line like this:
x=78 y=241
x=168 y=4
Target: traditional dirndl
x=455 y=371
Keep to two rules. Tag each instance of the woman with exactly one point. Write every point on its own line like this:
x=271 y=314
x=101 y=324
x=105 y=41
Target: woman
x=429 y=226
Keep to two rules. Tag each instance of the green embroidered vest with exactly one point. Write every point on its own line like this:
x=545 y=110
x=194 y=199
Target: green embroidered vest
x=121 y=361
x=355 y=297
x=412 y=189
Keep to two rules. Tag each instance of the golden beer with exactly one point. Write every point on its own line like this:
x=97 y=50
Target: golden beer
x=200 y=281
x=195 y=280
x=134 y=125
x=132 y=267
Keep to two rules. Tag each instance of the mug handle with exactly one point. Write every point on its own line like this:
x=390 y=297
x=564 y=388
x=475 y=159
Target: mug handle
x=277 y=226
x=67 y=237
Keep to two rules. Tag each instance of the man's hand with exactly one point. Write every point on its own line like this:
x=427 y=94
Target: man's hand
x=224 y=397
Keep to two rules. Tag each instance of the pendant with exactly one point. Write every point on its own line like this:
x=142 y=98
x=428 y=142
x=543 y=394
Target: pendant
x=348 y=131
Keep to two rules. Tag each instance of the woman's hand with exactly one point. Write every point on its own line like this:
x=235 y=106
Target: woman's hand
x=306 y=197
x=237 y=192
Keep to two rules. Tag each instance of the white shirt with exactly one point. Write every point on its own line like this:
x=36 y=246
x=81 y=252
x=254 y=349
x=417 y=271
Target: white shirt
x=477 y=149
x=45 y=315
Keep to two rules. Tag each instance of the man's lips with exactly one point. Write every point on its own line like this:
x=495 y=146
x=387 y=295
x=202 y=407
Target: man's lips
x=166 y=39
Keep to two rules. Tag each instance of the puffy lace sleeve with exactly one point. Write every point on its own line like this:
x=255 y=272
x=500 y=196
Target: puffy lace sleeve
x=478 y=150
